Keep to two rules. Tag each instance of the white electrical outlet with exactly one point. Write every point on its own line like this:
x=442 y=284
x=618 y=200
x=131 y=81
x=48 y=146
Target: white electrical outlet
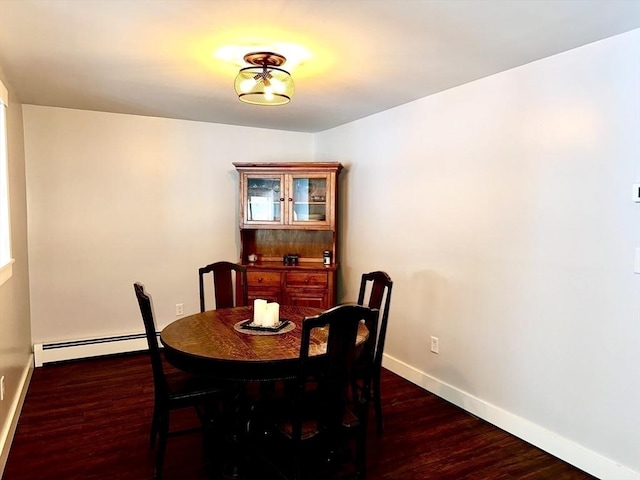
x=179 y=309
x=435 y=345
x=2 y=388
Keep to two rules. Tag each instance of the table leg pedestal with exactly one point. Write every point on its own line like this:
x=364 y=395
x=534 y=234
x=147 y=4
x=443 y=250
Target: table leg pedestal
x=235 y=438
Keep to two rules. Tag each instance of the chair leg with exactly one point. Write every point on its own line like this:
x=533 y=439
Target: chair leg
x=154 y=426
x=361 y=443
x=210 y=425
x=377 y=404
x=298 y=464
x=163 y=433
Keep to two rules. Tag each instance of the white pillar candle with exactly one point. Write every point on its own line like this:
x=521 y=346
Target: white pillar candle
x=259 y=310
x=272 y=315
x=266 y=320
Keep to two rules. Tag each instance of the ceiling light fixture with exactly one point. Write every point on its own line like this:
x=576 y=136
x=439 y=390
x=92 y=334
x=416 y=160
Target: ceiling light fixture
x=264 y=83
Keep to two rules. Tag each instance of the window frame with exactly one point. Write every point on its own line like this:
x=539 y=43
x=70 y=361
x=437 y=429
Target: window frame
x=6 y=259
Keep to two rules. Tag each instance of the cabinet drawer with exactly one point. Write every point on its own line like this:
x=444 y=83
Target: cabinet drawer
x=263 y=279
x=307 y=279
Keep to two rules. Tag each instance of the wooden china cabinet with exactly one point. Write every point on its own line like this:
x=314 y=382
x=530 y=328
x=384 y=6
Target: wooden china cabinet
x=289 y=209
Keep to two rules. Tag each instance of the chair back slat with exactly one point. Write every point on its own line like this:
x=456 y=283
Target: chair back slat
x=223 y=290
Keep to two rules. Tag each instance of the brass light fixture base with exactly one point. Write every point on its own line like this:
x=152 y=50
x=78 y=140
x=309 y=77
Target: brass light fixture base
x=265 y=58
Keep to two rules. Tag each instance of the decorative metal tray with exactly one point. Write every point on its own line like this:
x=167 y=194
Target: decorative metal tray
x=248 y=325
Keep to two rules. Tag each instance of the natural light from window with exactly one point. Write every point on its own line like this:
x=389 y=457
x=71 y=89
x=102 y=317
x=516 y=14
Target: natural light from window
x=5 y=235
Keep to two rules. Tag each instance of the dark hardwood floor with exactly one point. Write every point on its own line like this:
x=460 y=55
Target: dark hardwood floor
x=90 y=420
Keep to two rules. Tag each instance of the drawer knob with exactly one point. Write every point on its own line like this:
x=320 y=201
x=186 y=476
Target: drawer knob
x=260 y=280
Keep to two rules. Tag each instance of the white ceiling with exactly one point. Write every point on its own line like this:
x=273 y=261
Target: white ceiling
x=158 y=57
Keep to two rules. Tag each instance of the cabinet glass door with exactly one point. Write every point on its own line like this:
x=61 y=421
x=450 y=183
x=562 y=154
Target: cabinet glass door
x=309 y=196
x=264 y=199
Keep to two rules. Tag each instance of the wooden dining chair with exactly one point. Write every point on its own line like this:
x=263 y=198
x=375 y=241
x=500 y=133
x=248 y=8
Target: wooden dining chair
x=228 y=291
x=175 y=390
x=378 y=286
x=320 y=414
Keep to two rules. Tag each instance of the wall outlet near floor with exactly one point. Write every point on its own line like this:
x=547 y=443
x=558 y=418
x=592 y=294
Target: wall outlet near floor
x=179 y=309
x=2 y=388
x=435 y=344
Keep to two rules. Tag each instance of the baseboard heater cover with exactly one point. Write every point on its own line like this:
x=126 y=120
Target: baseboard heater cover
x=91 y=347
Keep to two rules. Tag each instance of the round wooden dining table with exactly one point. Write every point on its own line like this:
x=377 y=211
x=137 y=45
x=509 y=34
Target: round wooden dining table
x=214 y=344
x=211 y=343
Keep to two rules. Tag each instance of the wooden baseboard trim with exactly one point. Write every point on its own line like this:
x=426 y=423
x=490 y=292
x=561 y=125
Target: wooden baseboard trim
x=9 y=428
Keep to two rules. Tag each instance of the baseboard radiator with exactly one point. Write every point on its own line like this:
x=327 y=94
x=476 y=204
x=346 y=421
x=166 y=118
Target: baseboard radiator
x=92 y=347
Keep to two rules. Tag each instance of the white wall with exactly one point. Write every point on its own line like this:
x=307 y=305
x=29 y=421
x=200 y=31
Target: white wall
x=502 y=211
x=114 y=199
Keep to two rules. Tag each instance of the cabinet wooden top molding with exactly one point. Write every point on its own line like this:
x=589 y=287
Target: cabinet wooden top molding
x=290 y=167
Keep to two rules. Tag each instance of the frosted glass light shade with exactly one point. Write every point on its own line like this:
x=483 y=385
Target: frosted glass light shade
x=264 y=86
